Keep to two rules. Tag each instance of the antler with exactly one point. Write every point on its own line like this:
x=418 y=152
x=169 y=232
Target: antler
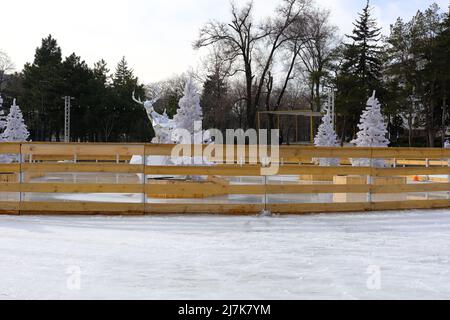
x=136 y=100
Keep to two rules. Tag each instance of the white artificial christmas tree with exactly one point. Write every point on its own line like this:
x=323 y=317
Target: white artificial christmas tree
x=16 y=130
x=372 y=133
x=3 y=157
x=2 y=117
x=326 y=137
x=189 y=110
x=2 y=121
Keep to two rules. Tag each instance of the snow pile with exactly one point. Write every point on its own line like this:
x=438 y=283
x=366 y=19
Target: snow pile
x=372 y=133
x=326 y=137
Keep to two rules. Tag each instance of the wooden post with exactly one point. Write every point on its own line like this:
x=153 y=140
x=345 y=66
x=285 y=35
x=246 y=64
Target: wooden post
x=296 y=128
x=311 y=128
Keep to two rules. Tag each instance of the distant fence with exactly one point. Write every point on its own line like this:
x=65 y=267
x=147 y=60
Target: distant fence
x=59 y=178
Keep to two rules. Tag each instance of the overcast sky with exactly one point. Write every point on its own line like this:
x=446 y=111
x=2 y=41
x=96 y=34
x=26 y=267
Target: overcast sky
x=155 y=35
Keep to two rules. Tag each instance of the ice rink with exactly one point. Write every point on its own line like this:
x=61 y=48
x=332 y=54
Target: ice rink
x=393 y=255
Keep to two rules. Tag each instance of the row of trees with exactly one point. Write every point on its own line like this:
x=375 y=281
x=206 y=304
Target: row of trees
x=417 y=73
x=292 y=59
x=410 y=70
x=372 y=133
x=288 y=61
x=102 y=109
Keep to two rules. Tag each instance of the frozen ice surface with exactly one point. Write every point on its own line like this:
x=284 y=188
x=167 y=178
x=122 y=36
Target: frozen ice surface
x=216 y=257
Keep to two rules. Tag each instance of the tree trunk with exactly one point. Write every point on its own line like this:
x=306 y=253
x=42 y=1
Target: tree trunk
x=317 y=85
x=250 y=112
x=429 y=126
x=410 y=123
x=344 y=127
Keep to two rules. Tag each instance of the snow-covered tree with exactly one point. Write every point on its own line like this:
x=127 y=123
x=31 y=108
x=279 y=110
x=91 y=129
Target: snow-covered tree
x=189 y=110
x=2 y=116
x=372 y=132
x=2 y=121
x=15 y=130
x=326 y=137
x=3 y=157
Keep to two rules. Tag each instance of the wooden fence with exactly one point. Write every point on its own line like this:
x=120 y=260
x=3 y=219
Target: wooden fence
x=58 y=178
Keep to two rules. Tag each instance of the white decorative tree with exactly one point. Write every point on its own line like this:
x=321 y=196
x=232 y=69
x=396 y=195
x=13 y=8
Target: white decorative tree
x=3 y=157
x=2 y=117
x=15 y=130
x=2 y=121
x=372 y=133
x=189 y=110
x=326 y=137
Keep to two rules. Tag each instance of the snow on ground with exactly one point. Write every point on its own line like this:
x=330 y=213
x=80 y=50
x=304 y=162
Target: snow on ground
x=215 y=257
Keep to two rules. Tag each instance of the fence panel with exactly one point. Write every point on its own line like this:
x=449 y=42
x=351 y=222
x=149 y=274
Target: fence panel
x=76 y=178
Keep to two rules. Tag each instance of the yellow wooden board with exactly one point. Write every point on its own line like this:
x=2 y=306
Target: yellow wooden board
x=9 y=147
x=82 y=167
x=72 y=188
x=73 y=207
x=234 y=209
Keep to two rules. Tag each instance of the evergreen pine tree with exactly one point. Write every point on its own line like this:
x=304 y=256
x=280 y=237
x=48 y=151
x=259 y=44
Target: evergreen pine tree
x=216 y=103
x=42 y=82
x=326 y=137
x=189 y=110
x=101 y=72
x=132 y=121
x=372 y=132
x=363 y=55
x=361 y=68
x=123 y=74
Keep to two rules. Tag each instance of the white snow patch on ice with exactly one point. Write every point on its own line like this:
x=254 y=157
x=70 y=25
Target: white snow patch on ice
x=215 y=257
